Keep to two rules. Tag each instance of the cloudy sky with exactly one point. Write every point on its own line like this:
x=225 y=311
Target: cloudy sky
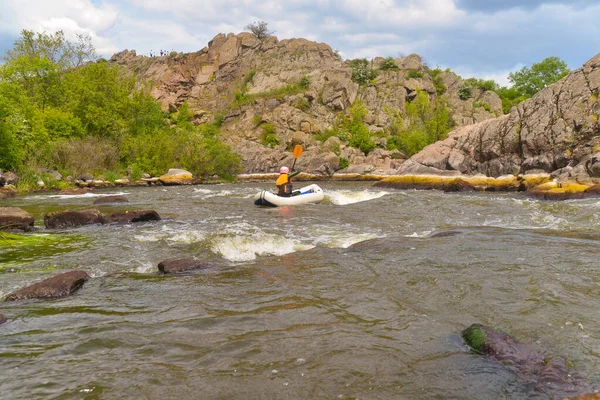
x=481 y=38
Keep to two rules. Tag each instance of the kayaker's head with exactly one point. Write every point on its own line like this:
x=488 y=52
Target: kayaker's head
x=284 y=170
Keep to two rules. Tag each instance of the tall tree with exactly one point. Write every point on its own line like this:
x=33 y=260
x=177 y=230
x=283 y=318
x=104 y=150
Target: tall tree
x=529 y=81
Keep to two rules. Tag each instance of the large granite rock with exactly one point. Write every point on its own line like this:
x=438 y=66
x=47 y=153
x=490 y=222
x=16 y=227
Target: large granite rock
x=55 y=287
x=111 y=199
x=15 y=218
x=556 y=131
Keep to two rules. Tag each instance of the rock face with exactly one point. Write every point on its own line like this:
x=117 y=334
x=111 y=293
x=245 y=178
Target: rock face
x=231 y=65
x=56 y=287
x=557 y=131
x=15 y=218
x=175 y=266
x=549 y=374
x=71 y=219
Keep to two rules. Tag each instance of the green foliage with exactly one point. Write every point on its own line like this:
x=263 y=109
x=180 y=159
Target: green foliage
x=257 y=119
x=475 y=338
x=344 y=163
x=337 y=54
x=361 y=72
x=243 y=98
x=389 y=64
x=269 y=137
x=247 y=79
x=304 y=82
x=173 y=54
x=529 y=81
x=414 y=74
x=302 y=103
x=485 y=106
x=111 y=176
x=60 y=111
x=464 y=92
x=424 y=123
x=322 y=136
x=359 y=135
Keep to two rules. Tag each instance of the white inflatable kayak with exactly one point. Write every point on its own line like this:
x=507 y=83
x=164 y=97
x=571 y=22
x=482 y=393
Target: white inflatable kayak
x=308 y=194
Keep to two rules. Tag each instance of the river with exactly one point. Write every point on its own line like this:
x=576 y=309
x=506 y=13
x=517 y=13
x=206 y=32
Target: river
x=362 y=296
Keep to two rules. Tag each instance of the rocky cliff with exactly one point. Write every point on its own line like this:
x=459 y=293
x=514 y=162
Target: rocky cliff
x=232 y=66
x=557 y=132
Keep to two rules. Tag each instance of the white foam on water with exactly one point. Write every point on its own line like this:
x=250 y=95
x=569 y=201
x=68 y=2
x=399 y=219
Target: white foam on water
x=345 y=197
x=204 y=193
x=343 y=239
x=86 y=195
x=248 y=247
x=169 y=234
x=145 y=268
x=419 y=234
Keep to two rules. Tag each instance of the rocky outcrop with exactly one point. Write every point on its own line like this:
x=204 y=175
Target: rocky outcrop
x=7 y=192
x=242 y=66
x=111 y=200
x=55 y=287
x=176 y=177
x=547 y=373
x=177 y=266
x=72 y=219
x=128 y=217
x=15 y=218
x=557 y=131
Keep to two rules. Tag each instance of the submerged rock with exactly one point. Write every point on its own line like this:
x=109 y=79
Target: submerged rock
x=111 y=199
x=71 y=219
x=74 y=191
x=546 y=372
x=128 y=217
x=55 y=287
x=174 y=266
x=2 y=319
x=15 y=218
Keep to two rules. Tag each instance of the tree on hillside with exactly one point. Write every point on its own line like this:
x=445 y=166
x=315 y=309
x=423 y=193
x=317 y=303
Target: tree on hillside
x=529 y=81
x=259 y=29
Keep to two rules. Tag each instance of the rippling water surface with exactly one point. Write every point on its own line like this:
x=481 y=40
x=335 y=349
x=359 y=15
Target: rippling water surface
x=362 y=296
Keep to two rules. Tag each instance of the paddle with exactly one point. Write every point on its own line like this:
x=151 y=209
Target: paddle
x=297 y=153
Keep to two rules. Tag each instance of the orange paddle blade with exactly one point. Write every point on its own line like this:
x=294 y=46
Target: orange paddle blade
x=297 y=151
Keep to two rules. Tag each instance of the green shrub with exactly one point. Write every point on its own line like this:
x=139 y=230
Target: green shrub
x=304 y=82
x=268 y=137
x=344 y=163
x=464 y=92
x=322 y=136
x=414 y=74
x=388 y=64
x=301 y=103
x=361 y=73
x=111 y=176
x=485 y=106
x=257 y=119
x=173 y=54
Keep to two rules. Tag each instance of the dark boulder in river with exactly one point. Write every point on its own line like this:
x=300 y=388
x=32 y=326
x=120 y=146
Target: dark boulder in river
x=15 y=218
x=128 y=217
x=111 y=199
x=547 y=373
x=71 y=219
x=180 y=265
x=52 y=288
x=2 y=319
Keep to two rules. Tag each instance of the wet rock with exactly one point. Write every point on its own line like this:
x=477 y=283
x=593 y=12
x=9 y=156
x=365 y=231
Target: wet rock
x=176 y=177
x=444 y=234
x=128 y=217
x=111 y=199
x=174 y=266
x=71 y=219
x=2 y=319
x=52 y=288
x=546 y=372
x=592 y=191
x=15 y=218
x=10 y=178
x=74 y=191
x=459 y=185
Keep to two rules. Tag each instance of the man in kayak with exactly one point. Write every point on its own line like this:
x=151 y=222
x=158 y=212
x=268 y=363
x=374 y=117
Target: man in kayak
x=284 y=182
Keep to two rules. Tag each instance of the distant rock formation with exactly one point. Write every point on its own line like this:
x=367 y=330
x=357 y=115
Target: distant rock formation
x=557 y=131
x=210 y=78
